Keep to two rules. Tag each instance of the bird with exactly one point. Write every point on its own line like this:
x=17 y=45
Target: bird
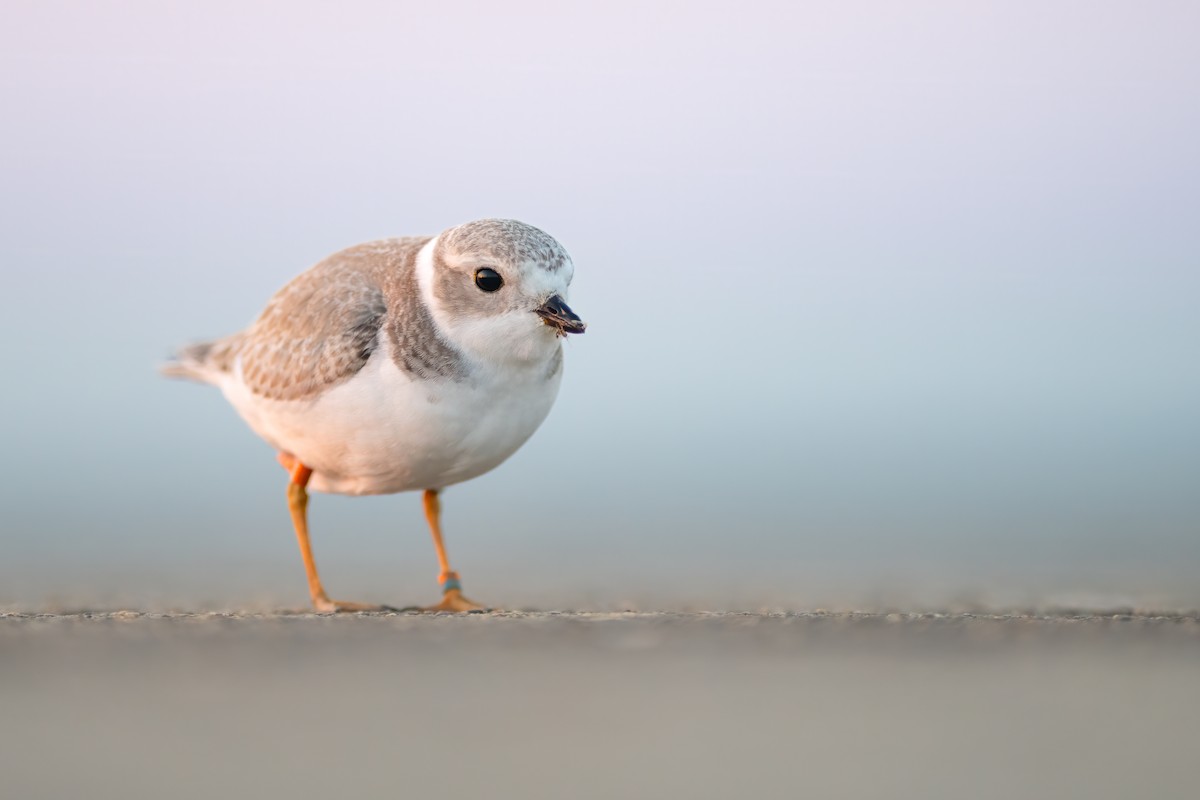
x=403 y=364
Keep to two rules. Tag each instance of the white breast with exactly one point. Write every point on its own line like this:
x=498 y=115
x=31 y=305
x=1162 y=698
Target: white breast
x=385 y=431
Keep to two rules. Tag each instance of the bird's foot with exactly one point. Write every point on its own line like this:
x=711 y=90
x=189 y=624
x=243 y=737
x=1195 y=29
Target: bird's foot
x=323 y=605
x=452 y=596
x=453 y=600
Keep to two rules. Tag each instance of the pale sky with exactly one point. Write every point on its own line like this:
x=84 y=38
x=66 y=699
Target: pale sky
x=879 y=295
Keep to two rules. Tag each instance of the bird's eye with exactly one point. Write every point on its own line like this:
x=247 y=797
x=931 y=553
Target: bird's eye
x=488 y=279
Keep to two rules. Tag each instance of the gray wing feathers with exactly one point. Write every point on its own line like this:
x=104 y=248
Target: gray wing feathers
x=317 y=331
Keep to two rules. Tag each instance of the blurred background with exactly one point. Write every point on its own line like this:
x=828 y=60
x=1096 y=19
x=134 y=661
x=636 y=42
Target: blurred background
x=888 y=304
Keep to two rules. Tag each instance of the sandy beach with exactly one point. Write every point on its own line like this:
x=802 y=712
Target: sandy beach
x=548 y=705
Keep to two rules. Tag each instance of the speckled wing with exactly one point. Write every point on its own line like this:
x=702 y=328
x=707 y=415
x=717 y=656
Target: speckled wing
x=317 y=331
x=320 y=329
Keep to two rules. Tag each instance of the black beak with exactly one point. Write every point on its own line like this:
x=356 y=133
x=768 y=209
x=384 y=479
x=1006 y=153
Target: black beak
x=558 y=315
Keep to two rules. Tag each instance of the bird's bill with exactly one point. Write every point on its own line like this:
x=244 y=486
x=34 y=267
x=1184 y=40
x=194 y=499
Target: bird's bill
x=558 y=315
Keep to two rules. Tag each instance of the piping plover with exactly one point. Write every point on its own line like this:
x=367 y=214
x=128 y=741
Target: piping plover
x=401 y=364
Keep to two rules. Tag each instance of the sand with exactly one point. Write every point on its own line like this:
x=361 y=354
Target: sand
x=566 y=705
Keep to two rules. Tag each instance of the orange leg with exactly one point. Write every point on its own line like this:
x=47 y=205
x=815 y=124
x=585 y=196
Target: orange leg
x=297 y=496
x=452 y=596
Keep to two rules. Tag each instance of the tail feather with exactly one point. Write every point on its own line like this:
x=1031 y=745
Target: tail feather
x=202 y=361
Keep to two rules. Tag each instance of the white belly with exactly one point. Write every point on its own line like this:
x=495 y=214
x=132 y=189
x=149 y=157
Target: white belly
x=382 y=431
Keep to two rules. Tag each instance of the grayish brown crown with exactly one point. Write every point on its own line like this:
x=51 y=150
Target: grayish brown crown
x=506 y=239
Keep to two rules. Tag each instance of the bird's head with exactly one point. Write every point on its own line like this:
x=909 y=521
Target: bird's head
x=498 y=289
